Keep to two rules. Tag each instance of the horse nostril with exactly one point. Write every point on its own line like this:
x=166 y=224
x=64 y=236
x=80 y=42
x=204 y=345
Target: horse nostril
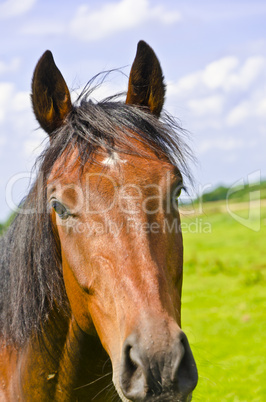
x=132 y=375
x=185 y=373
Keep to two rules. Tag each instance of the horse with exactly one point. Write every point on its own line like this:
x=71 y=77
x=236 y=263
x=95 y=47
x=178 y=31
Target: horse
x=91 y=267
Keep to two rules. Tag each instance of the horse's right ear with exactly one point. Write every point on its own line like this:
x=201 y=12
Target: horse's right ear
x=50 y=95
x=146 y=83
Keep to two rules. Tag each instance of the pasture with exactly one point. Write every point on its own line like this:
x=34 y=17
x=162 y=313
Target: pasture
x=224 y=303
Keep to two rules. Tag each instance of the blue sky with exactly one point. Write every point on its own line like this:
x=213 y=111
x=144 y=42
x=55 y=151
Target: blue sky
x=213 y=55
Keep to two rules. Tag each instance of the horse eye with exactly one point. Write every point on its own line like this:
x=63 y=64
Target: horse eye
x=178 y=190
x=60 y=209
x=176 y=194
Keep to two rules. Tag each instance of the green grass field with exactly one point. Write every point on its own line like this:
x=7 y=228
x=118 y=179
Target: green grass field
x=224 y=302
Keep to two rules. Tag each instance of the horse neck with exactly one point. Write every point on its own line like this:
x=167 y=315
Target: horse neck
x=67 y=360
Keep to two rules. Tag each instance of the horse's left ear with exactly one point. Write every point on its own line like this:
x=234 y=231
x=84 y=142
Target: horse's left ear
x=50 y=95
x=146 y=84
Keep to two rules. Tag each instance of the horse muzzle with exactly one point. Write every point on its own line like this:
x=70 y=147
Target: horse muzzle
x=152 y=373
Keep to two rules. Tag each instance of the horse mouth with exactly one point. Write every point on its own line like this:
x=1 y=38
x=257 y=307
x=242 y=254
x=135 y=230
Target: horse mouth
x=160 y=398
x=167 y=396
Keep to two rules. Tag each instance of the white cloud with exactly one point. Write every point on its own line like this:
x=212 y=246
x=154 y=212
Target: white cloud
x=213 y=77
x=11 y=101
x=6 y=91
x=185 y=85
x=13 y=8
x=12 y=66
x=206 y=106
x=252 y=108
x=261 y=110
x=21 y=101
x=226 y=74
x=216 y=74
x=238 y=114
x=225 y=94
x=34 y=145
x=111 y=18
x=17 y=121
x=16 y=116
x=247 y=75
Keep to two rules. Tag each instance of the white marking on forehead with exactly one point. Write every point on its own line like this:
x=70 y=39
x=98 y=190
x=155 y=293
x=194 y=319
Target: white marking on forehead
x=113 y=159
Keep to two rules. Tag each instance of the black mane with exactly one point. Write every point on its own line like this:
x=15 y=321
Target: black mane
x=31 y=282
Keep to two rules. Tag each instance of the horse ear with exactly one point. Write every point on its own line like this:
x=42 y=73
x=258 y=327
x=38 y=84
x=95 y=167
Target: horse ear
x=146 y=83
x=50 y=95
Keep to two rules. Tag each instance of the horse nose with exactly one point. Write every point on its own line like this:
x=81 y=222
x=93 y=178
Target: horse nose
x=146 y=374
